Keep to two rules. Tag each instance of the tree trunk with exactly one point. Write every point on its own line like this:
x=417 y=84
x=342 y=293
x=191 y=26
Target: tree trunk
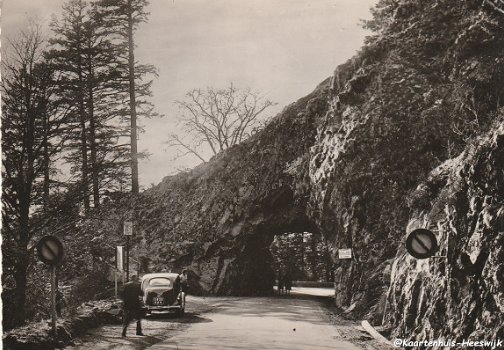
x=20 y=272
x=22 y=260
x=94 y=164
x=24 y=189
x=92 y=137
x=132 y=104
x=84 y=161
x=45 y=195
x=82 y=119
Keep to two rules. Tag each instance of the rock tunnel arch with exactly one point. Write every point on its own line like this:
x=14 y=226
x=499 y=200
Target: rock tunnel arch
x=251 y=272
x=218 y=219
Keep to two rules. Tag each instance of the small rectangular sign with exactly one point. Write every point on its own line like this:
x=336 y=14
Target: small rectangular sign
x=345 y=253
x=119 y=257
x=128 y=228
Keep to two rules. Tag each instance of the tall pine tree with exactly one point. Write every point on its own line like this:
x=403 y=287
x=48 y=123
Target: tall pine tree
x=67 y=57
x=86 y=59
x=123 y=17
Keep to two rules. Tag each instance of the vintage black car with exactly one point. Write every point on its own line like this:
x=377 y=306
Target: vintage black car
x=162 y=293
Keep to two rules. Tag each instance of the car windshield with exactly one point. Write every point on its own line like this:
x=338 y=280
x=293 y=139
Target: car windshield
x=160 y=281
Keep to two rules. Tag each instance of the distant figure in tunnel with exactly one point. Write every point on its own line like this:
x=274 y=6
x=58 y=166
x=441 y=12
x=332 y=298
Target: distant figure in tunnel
x=288 y=282
x=281 y=283
x=132 y=306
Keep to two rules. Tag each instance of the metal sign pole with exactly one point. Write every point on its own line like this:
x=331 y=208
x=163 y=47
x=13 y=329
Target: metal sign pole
x=50 y=251
x=115 y=282
x=53 y=300
x=127 y=258
x=128 y=231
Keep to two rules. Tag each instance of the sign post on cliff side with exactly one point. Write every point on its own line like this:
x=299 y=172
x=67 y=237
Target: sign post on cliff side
x=421 y=243
x=345 y=253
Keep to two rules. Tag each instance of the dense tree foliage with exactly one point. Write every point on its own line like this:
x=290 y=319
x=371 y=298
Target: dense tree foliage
x=71 y=101
x=84 y=58
x=305 y=255
x=33 y=128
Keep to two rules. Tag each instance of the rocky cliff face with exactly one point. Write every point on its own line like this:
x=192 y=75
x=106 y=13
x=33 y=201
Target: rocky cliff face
x=405 y=133
x=462 y=203
x=417 y=93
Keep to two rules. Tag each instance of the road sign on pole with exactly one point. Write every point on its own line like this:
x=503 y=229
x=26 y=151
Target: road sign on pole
x=128 y=228
x=421 y=243
x=345 y=253
x=50 y=251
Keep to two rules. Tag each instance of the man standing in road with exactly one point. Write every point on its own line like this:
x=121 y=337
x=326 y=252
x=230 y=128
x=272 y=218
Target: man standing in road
x=132 y=306
x=184 y=283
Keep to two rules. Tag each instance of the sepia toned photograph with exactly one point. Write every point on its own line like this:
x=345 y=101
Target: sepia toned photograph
x=261 y=174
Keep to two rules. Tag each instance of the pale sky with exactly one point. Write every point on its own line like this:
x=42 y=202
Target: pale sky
x=282 y=48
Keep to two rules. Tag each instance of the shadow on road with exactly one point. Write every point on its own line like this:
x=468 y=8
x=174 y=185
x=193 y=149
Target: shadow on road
x=156 y=328
x=189 y=317
x=109 y=337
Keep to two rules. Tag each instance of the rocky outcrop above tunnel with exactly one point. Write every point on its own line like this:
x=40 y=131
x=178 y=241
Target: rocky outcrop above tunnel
x=346 y=162
x=220 y=218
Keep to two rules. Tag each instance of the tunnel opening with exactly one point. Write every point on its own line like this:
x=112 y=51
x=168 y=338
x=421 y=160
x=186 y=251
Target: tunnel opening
x=280 y=237
x=304 y=256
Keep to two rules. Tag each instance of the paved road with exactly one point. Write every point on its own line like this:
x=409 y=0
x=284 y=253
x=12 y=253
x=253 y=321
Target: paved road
x=294 y=322
x=321 y=292
x=259 y=323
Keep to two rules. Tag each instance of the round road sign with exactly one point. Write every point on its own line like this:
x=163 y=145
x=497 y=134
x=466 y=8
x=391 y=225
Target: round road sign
x=421 y=243
x=50 y=250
